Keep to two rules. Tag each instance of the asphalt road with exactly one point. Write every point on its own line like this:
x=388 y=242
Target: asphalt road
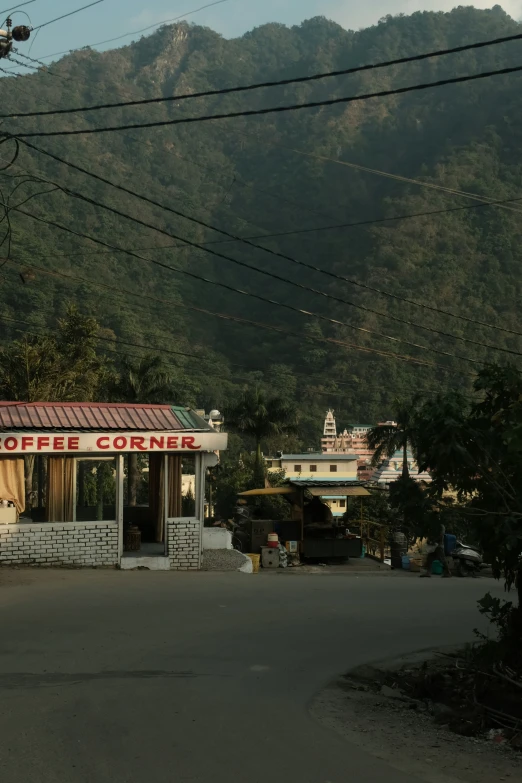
x=142 y=677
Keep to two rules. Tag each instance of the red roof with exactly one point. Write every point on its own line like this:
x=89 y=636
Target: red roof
x=97 y=416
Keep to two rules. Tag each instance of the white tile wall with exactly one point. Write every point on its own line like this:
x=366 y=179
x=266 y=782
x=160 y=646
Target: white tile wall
x=183 y=541
x=60 y=543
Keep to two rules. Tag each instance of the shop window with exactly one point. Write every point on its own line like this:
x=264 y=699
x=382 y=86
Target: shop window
x=68 y=489
x=95 y=489
x=333 y=468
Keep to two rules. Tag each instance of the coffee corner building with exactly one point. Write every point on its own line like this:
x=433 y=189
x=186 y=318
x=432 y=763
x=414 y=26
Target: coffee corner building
x=76 y=462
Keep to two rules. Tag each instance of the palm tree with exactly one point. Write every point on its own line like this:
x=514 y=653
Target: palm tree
x=144 y=381
x=258 y=416
x=390 y=437
x=63 y=367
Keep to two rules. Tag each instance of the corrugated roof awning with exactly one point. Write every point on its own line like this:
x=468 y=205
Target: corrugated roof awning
x=104 y=417
x=329 y=483
x=267 y=491
x=338 y=491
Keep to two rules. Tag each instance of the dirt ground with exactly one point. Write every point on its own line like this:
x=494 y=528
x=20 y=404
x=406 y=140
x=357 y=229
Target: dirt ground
x=409 y=739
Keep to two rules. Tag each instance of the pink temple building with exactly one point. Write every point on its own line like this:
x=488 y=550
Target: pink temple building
x=351 y=441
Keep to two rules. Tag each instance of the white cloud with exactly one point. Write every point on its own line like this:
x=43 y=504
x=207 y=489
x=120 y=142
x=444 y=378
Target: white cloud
x=237 y=16
x=147 y=17
x=354 y=15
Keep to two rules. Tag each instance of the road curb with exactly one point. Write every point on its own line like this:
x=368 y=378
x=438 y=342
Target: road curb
x=369 y=671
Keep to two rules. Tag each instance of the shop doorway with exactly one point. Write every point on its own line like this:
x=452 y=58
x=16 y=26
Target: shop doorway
x=152 y=491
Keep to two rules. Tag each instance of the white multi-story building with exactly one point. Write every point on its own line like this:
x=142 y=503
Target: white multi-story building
x=390 y=470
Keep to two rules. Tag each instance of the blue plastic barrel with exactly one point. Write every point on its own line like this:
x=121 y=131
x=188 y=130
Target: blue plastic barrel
x=450 y=543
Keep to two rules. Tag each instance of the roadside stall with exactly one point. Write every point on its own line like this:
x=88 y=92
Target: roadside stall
x=65 y=476
x=310 y=524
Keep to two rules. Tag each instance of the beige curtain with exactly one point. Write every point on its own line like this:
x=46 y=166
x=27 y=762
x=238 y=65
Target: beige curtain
x=12 y=481
x=60 y=489
x=156 y=495
x=175 y=492
x=157 y=492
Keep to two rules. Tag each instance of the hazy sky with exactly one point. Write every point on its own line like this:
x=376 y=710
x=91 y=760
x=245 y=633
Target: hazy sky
x=234 y=17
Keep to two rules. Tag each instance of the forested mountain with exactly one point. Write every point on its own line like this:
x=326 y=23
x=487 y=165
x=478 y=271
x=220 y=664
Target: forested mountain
x=282 y=174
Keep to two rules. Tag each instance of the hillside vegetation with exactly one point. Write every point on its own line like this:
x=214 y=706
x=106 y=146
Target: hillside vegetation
x=282 y=174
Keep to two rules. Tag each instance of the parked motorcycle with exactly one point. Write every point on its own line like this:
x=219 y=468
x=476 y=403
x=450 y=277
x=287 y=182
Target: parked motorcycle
x=468 y=560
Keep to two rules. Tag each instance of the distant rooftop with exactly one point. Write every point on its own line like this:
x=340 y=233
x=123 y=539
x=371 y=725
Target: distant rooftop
x=329 y=456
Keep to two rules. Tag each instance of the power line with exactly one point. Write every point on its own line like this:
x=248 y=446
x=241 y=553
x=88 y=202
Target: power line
x=345 y=163
x=273 y=109
x=279 y=83
x=318 y=76
x=237 y=319
x=197 y=357
x=370 y=222
x=210 y=361
x=235 y=179
x=135 y=32
x=26 y=65
x=368 y=170
x=64 y=16
x=391 y=218
x=16 y=7
x=374 y=221
x=374 y=171
x=40 y=63
x=258 y=247
x=120 y=342
x=225 y=286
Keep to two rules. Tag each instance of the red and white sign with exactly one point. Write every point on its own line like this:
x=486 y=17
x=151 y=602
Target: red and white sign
x=109 y=442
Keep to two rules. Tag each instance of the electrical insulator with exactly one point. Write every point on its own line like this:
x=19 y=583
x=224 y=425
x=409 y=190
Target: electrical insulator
x=21 y=33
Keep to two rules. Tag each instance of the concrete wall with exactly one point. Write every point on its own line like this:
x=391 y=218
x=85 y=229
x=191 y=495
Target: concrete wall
x=345 y=469
x=217 y=538
x=60 y=543
x=184 y=543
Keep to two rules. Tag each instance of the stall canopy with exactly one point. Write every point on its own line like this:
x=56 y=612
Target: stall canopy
x=315 y=488
x=333 y=487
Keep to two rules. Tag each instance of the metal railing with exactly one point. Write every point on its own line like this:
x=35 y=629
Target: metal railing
x=375 y=547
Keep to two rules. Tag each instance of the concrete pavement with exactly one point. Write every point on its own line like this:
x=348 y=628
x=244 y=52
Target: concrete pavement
x=154 y=677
